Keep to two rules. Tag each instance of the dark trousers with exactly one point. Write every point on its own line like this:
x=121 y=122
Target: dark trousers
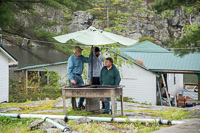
x=79 y=81
x=96 y=81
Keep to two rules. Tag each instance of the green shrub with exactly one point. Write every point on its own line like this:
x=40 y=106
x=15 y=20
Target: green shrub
x=141 y=39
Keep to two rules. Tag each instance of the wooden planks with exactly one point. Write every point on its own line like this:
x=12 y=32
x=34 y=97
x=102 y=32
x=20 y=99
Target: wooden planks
x=92 y=92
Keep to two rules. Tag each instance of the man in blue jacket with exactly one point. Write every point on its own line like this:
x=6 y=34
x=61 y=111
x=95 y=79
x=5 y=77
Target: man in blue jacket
x=75 y=69
x=109 y=76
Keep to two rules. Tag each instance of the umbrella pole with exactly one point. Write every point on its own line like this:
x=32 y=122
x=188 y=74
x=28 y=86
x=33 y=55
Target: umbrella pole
x=92 y=67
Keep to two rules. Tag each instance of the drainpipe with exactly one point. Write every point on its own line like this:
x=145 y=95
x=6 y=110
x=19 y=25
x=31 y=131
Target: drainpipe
x=59 y=126
x=44 y=117
x=102 y=119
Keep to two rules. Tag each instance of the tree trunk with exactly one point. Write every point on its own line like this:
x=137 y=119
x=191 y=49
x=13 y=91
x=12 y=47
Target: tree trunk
x=190 y=19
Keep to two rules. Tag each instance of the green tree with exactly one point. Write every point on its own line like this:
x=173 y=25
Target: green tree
x=162 y=5
x=29 y=19
x=190 y=42
x=137 y=7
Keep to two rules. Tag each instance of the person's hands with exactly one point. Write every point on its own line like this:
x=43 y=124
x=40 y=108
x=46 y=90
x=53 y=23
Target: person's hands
x=90 y=82
x=73 y=82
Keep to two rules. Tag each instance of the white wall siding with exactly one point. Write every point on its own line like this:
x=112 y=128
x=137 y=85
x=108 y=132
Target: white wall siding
x=174 y=87
x=4 y=78
x=140 y=84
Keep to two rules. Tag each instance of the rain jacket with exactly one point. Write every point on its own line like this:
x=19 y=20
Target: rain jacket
x=109 y=77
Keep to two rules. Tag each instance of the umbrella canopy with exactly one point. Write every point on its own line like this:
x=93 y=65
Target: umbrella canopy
x=93 y=36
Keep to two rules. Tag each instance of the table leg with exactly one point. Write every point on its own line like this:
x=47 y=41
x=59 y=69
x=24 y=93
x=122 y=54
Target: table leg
x=64 y=105
x=113 y=102
x=122 y=110
x=73 y=102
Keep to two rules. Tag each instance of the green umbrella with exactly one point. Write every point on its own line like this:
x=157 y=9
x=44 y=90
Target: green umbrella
x=93 y=36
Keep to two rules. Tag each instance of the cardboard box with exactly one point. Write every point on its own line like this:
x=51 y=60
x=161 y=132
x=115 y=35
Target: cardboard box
x=181 y=103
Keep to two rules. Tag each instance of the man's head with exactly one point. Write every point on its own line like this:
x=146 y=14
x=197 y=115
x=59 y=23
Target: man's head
x=109 y=62
x=77 y=51
x=97 y=51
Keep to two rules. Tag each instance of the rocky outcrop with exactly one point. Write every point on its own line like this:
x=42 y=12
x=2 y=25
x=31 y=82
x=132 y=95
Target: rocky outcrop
x=156 y=27
x=81 y=20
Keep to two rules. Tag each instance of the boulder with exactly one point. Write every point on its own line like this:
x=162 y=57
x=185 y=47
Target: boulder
x=164 y=34
x=81 y=20
x=53 y=130
x=175 y=21
x=47 y=126
x=82 y=120
x=134 y=36
x=36 y=124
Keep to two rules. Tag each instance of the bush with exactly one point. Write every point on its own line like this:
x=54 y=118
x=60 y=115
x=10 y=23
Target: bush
x=153 y=40
x=18 y=94
x=97 y=14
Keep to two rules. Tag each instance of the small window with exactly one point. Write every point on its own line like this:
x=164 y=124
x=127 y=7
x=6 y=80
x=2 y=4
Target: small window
x=43 y=78
x=37 y=78
x=32 y=78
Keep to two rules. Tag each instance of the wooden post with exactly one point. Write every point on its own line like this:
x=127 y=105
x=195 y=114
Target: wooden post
x=121 y=97
x=166 y=90
x=64 y=105
x=160 y=82
x=73 y=102
x=17 y=73
x=25 y=81
x=198 y=75
x=113 y=102
x=161 y=103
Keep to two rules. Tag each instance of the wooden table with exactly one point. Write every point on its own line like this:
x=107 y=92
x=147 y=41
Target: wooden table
x=111 y=91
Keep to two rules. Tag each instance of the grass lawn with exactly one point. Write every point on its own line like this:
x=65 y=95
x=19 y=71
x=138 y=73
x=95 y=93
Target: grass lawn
x=10 y=125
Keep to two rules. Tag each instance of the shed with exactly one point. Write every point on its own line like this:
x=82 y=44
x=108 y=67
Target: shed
x=161 y=61
x=59 y=67
x=5 y=59
x=140 y=82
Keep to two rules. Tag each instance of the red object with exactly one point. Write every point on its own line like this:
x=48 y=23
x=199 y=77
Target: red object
x=165 y=95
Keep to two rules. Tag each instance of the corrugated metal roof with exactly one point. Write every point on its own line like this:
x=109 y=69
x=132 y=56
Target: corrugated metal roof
x=124 y=55
x=168 y=61
x=145 y=46
x=43 y=65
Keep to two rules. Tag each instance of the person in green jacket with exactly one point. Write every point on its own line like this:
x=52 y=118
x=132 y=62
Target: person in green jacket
x=109 y=76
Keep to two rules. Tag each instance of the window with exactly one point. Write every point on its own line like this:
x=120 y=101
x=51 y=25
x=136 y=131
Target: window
x=32 y=78
x=35 y=76
x=43 y=78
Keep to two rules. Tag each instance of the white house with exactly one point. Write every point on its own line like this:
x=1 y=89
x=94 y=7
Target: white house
x=41 y=71
x=5 y=59
x=140 y=83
